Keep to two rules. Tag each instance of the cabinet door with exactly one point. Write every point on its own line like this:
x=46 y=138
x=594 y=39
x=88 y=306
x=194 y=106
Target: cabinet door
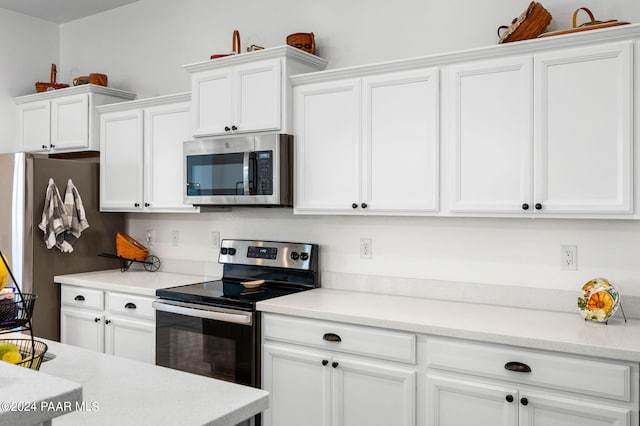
x=257 y=96
x=547 y=410
x=70 y=122
x=583 y=143
x=34 y=133
x=82 y=328
x=211 y=102
x=367 y=393
x=121 y=161
x=299 y=384
x=400 y=142
x=327 y=129
x=459 y=402
x=165 y=129
x=489 y=134
x=131 y=338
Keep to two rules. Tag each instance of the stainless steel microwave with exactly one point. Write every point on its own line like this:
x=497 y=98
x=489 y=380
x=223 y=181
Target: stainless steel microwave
x=253 y=170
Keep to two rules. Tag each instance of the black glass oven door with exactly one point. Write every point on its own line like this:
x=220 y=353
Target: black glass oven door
x=208 y=347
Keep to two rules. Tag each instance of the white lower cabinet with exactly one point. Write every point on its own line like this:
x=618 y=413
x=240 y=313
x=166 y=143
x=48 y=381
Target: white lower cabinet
x=115 y=323
x=469 y=383
x=326 y=378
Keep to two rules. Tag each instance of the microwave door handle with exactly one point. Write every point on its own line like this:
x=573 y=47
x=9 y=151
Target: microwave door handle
x=245 y=173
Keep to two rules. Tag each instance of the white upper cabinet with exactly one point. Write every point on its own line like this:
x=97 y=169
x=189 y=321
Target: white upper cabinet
x=248 y=92
x=63 y=120
x=489 y=135
x=368 y=145
x=141 y=155
x=547 y=134
x=583 y=121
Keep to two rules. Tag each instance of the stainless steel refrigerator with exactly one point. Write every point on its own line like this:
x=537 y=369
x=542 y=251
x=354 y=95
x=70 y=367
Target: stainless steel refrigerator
x=23 y=185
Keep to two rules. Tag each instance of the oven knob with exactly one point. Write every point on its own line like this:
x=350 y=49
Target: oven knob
x=304 y=256
x=232 y=251
x=224 y=250
x=295 y=255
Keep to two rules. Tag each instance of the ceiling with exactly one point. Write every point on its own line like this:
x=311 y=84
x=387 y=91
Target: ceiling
x=61 y=11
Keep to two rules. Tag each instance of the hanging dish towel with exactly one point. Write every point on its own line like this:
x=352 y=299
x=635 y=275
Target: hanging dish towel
x=76 y=216
x=54 y=220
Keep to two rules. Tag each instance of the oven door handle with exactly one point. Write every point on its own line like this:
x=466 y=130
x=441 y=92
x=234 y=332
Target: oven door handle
x=203 y=312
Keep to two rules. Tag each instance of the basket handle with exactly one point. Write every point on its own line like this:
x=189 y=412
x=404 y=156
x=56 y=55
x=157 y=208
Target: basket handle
x=236 y=41
x=53 y=73
x=575 y=15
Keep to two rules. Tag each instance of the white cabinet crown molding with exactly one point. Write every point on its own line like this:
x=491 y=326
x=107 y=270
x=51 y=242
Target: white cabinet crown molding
x=146 y=102
x=76 y=90
x=613 y=34
x=258 y=55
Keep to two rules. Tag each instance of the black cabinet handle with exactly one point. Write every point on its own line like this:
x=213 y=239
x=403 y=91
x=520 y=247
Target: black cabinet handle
x=518 y=367
x=525 y=206
x=524 y=401
x=147 y=204
x=331 y=337
x=79 y=298
x=363 y=205
x=354 y=205
x=44 y=147
x=136 y=204
x=509 y=398
x=234 y=128
x=538 y=206
x=96 y=320
x=107 y=322
x=334 y=364
x=52 y=146
x=130 y=305
x=325 y=361
x=227 y=129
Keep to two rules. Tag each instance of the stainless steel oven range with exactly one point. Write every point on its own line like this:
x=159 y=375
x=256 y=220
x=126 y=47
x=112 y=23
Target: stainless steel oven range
x=212 y=328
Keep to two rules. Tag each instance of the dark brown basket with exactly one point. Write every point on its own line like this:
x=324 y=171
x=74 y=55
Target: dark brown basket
x=16 y=312
x=32 y=352
x=303 y=41
x=42 y=86
x=530 y=24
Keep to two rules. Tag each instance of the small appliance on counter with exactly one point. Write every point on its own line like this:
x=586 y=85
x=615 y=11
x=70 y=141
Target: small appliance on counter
x=212 y=328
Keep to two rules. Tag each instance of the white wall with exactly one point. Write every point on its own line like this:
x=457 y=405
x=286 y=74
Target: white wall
x=142 y=47
x=29 y=46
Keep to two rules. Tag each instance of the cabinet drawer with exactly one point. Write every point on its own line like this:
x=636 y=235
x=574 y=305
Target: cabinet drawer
x=82 y=297
x=558 y=371
x=353 y=339
x=129 y=304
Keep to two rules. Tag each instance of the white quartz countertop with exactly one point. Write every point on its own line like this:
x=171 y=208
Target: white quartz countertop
x=29 y=397
x=132 y=281
x=557 y=331
x=119 y=391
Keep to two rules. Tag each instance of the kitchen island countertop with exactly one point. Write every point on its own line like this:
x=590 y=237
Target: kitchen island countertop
x=530 y=328
x=119 y=391
x=133 y=281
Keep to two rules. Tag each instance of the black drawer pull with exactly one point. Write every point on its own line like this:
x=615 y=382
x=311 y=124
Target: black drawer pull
x=524 y=401
x=518 y=367
x=96 y=319
x=331 y=337
x=509 y=398
x=130 y=305
x=334 y=364
x=79 y=298
x=325 y=361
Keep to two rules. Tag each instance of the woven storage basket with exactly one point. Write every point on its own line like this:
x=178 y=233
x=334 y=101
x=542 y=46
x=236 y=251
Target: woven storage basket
x=530 y=24
x=303 y=41
x=235 y=46
x=587 y=26
x=42 y=86
x=129 y=248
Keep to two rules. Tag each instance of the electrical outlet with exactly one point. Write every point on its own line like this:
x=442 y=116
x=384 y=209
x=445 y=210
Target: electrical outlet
x=215 y=239
x=175 y=238
x=569 y=257
x=149 y=237
x=365 y=248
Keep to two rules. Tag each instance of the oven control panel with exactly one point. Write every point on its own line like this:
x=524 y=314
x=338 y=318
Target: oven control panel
x=269 y=253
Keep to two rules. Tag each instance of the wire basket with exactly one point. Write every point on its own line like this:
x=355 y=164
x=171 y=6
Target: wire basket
x=32 y=352
x=17 y=311
x=129 y=248
x=303 y=41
